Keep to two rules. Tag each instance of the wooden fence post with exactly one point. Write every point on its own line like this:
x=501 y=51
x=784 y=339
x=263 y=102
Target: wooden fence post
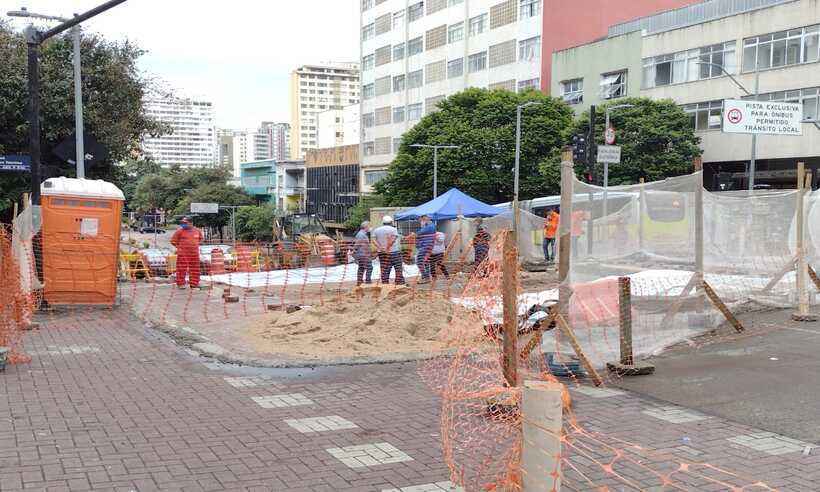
x=509 y=292
x=802 y=313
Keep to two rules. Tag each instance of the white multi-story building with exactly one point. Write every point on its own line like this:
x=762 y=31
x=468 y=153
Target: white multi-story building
x=278 y=136
x=414 y=54
x=232 y=148
x=317 y=88
x=192 y=140
x=338 y=127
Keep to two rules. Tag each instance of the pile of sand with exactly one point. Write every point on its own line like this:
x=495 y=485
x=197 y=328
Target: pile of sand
x=370 y=322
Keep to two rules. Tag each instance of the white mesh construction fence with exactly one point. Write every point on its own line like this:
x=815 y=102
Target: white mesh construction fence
x=530 y=236
x=648 y=232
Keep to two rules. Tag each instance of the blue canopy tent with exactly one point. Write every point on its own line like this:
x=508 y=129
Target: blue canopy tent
x=450 y=205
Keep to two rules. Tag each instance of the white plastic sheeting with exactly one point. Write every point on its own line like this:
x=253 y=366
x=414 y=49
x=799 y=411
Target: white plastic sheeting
x=302 y=276
x=24 y=227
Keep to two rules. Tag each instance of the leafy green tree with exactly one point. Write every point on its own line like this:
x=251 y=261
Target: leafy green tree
x=128 y=175
x=482 y=123
x=255 y=223
x=656 y=137
x=361 y=211
x=214 y=192
x=113 y=91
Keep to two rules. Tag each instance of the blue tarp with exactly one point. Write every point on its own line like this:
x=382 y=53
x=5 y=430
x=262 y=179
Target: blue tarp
x=449 y=206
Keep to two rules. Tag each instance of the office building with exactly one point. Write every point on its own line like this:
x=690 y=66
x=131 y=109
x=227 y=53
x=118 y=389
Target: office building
x=278 y=135
x=232 y=148
x=192 y=139
x=338 y=127
x=317 y=88
x=332 y=183
x=691 y=55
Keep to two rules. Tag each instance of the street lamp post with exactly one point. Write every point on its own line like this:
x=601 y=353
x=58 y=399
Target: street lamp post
x=518 y=110
x=78 y=91
x=435 y=161
x=609 y=110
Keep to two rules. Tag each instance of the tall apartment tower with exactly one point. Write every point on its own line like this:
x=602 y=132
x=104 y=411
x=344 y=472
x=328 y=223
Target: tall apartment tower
x=414 y=54
x=317 y=88
x=278 y=137
x=192 y=141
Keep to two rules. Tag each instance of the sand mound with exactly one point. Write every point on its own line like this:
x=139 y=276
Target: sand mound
x=373 y=321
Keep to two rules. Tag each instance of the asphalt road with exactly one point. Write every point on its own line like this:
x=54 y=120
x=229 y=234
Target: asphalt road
x=767 y=379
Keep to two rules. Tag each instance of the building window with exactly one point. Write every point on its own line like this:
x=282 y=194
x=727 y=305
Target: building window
x=415 y=12
x=613 y=85
x=781 y=49
x=415 y=79
x=455 y=33
x=435 y=71
x=572 y=91
x=368 y=91
x=396 y=144
x=369 y=148
x=415 y=46
x=477 y=62
x=436 y=37
x=434 y=6
x=502 y=53
x=808 y=98
x=373 y=177
x=478 y=24
x=414 y=111
x=398 y=19
x=431 y=103
x=383 y=116
x=705 y=116
x=530 y=8
x=399 y=83
x=383 y=55
x=524 y=85
x=507 y=85
x=689 y=66
x=368 y=120
x=503 y=13
x=398 y=52
x=398 y=114
x=529 y=49
x=450 y=3
x=367 y=5
x=368 y=32
x=383 y=24
x=455 y=68
x=383 y=86
x=368 y=63
x=383 y=145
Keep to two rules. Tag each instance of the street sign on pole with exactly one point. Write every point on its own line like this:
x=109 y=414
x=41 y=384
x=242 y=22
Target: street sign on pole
x=609 y=154
x=762 y=117
x=15 y=162
x=204 y=208
x=609 y=136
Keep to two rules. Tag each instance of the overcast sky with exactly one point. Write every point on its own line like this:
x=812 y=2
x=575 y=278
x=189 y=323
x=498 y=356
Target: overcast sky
x=237 y=53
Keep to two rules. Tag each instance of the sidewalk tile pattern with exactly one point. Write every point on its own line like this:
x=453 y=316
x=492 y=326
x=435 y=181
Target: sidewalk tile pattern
x=321 y=424
x=675 y=415
x=282 y=401
x=770 y=443
x=429 y=487
x=380 y=453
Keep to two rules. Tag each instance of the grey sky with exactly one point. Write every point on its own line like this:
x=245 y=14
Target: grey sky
x=238 y=53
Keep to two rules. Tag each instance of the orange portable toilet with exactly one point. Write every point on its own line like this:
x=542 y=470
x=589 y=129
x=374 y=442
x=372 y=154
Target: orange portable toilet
x=81 y=239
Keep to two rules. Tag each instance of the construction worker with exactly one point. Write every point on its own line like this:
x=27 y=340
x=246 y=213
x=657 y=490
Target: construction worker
x=388 y=246
x=550 y=231
x=424 y=243
x=579 y=218
x=186 y=240
x=437 y=256
x=362 y=255
x=481 y=243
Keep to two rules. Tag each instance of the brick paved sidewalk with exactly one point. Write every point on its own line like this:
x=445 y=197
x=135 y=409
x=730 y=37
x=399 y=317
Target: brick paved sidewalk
x=109 y=405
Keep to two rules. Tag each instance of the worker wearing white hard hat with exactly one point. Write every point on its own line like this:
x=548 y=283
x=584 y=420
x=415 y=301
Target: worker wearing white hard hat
x=388 y=247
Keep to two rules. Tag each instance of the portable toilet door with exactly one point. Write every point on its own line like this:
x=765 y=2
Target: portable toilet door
x=81 y=240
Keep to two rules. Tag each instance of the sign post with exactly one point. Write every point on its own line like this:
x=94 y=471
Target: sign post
x=608 y=154
x=204 y=208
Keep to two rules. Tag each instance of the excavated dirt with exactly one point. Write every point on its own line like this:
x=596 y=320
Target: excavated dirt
x=373 y=321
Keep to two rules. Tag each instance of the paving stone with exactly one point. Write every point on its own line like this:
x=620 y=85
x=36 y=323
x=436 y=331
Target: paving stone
x=320 y=424
x=282 y=401
x=674 y=414
x=369 y=455
x=248 y=381
x=770 y=443
x=598 y=392
x=429 y=487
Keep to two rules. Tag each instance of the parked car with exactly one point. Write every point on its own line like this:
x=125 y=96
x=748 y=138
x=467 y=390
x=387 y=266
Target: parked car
x=205 y=257
x=152 y=230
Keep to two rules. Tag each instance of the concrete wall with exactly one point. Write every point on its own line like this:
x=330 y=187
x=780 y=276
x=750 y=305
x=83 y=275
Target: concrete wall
x=591 y=60
x=572 y=23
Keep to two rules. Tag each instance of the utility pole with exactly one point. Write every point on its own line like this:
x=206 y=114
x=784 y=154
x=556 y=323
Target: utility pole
x=591 y=147
x=435 y=161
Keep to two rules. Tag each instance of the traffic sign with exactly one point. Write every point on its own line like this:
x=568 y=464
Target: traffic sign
x=609 y=136
x=762 y=117
x=204 y=208
x=15 y=162
x=609 y=154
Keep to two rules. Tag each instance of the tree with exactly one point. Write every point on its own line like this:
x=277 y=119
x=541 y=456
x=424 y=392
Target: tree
x=482 y=122
x=215 y=192
x=128 y=175
x=361 y=211
x=167 y=188
x=656 y=137
x=113 y=91
x=255 y=223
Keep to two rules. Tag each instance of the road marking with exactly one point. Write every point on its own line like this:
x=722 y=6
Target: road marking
x=380 y=453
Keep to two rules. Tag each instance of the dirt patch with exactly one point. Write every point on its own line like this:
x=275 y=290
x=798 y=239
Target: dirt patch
x=538 y=281
x=373 y=321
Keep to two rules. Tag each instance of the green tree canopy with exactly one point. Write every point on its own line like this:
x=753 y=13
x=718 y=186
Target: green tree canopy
x=482 y=122
x=113 y=90
x=656 y=137
x=255 y=223
x=361 y=211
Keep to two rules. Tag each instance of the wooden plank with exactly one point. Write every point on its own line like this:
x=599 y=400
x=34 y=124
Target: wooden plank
x=677 y=303
x=564 y=326
x=625 y=307
x=814 y=278
x=802 y=292
x=537 y=335
x=712 y=295
x=509 y=293
x=564 y=229
x=780 y=274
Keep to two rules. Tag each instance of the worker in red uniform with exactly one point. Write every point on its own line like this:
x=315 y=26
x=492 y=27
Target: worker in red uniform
x=186 y=240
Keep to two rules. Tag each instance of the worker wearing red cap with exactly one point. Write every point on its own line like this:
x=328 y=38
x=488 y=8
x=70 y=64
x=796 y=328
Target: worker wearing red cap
x=186 y=239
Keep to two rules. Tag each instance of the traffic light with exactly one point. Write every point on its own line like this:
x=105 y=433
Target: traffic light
x=579 y=148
